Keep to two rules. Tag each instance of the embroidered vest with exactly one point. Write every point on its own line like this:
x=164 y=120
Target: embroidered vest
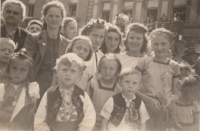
x=119 y=109
x=54 y=101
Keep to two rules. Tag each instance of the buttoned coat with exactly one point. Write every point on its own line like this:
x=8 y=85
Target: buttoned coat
x=36 y=46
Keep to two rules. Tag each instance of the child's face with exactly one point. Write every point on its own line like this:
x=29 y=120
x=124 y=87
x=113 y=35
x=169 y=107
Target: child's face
x=160 y=46
x=108 y=69
x=130 y=84
x=70 y=30
x=96 y=36
x=19 y=70
x=185 y=73
x=68 y=74
x=81 y=48
x=35 y=28
x=6 y=50
x=112 y=40
x=135 y=41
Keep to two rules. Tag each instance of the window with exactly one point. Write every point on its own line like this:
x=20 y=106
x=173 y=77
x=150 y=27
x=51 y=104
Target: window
x=128 y=6
x=152 y=14
x=72 y=10
x=106 y=11
x=179 y=13
x=31 y=10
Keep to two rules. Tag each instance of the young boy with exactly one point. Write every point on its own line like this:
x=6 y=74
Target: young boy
x=7 y=47
x=125 y=111
x=66 y=106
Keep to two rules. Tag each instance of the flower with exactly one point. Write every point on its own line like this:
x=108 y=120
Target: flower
x=43 y=44
x=34 y=90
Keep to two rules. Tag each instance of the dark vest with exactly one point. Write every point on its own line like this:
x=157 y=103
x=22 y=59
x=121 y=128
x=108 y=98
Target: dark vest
x=54 y=101
x=119 y=109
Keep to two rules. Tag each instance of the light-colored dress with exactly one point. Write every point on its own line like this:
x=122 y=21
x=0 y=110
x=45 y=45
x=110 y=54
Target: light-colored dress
x=127 y=61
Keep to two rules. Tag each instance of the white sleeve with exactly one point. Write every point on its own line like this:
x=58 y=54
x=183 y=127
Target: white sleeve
x=34 y=91
x=40 y=116
x=144 y=116
x=2 y=91
x=89 y=118
x=107 y=108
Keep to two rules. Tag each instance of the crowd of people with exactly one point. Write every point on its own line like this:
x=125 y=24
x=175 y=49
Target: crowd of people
x=102 y=77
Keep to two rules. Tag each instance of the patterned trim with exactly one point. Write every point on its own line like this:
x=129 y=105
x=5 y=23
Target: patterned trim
x=167 y=63
x=105 y=88
x=176 y=76
x=184 y=105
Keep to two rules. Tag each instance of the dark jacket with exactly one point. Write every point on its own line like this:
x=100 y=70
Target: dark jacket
x=19 y=38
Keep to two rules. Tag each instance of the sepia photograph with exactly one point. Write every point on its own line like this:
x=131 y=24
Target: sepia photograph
x=100 y=65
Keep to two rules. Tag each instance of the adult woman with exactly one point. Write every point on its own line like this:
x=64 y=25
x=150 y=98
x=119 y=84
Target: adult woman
x=47 y=46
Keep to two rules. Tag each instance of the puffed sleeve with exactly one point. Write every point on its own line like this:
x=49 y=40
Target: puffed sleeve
x=107 y=108
x=34 y=90
x=89 y=119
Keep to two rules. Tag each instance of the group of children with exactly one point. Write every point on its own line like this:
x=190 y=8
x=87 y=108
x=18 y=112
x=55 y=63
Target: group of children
x=98 y=86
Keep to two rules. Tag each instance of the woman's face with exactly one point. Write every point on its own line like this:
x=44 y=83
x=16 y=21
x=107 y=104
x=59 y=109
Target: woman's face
x=160 y=45
x=112 y=41
x=81 y=48
x=70 y=30
x=135 y=41
x=53 y=17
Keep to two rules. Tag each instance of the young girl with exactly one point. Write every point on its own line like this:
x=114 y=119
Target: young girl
x=187 y=108
x=96 y=31
x=136 y=45
x=18 y=96
x=69 y=27
x=82 y=46
x=104 y=84
x=159 y=78
x=7 y=47
x=112 y=41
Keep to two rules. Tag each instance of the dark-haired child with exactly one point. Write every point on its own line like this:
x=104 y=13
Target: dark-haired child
x=69 y=27
x=187 y=108
x=113 y=40
x=18 y=96
x=125 y=111
x=104 y=84
x=66 y=106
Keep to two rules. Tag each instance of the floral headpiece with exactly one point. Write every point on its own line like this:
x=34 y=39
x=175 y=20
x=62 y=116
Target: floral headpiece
x=23 y=53
x=93 y=21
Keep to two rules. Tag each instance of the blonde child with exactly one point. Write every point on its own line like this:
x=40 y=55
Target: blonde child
x=135 y=45
x=187 y=108
x=18 y=96
x=7 y=47
x=113 y=40
x=104 y=84
x=125 y=111
x=159 y=79
x=69 y=28
x=81 y=46
x=66 y=106
x=96 y=30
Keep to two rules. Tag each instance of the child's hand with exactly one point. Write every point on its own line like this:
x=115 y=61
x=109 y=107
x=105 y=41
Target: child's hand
x=155 y=104
x=168 y=102
x=8 y=109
